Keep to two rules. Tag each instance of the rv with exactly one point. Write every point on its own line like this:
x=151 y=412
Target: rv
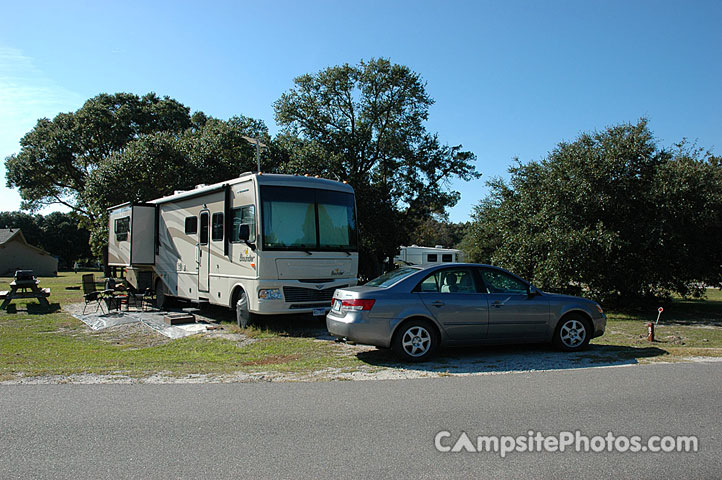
x=416 y=255
x=260 y=243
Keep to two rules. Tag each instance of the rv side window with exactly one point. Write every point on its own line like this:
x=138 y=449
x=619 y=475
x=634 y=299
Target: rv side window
x=191 y=225
x=217 y=230
x=203 y=240
x=122 y=227
x=431 y=257
x=446 y=257
x=244 y=216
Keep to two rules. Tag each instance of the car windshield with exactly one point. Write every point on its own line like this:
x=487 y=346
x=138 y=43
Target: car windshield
x=392 y=277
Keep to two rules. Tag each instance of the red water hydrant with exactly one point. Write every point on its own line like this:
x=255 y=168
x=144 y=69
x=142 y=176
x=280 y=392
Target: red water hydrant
x=650 y=331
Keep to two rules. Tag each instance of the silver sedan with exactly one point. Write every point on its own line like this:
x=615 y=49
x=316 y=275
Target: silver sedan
x=414 y=310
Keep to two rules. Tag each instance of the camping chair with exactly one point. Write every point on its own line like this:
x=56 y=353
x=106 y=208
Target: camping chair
x=92 y=294
x=141 y=300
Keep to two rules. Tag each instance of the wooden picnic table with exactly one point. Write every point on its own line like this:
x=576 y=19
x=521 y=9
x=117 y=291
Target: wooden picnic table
x=25 y=289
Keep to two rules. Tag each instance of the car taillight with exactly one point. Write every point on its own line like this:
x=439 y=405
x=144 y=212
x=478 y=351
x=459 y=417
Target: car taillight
x=357 y=304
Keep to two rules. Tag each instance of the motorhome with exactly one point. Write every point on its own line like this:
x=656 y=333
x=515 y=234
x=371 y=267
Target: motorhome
x=261 y=243
x=416 y=255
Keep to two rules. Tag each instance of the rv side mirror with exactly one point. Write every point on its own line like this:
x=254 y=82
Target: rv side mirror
x=244 y=232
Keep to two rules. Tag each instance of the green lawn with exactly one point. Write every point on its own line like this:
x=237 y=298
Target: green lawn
x=35 y=342
x=38 y=342
x=686 y=327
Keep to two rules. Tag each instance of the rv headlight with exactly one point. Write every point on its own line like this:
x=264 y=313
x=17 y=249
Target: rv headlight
x=270 y=294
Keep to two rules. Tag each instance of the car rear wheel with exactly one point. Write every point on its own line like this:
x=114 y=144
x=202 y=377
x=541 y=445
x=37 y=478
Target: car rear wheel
x=572 y=334
x=415 y=341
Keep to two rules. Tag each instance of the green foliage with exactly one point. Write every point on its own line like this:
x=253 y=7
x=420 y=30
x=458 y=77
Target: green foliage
x=57 y=155
x=122 y=147
x=438 y=230
x=65 y=239
x=31 y=225
x=155 y=165
x=610 y=213
x=57 y=233
x=365 y=124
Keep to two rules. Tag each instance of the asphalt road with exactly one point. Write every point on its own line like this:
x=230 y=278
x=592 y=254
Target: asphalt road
x=369 y=429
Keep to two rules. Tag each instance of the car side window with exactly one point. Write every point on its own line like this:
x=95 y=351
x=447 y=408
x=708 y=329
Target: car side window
x=448 y=281
x=430 y=284
x=499 y=282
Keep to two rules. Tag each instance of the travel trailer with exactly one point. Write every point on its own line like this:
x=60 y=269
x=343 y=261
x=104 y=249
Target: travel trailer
x=416 y=255
x=260 y=243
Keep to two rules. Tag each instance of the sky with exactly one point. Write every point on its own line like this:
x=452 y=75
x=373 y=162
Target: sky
x=510 y=79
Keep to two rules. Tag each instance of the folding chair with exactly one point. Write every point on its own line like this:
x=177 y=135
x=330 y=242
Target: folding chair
x=92 y=294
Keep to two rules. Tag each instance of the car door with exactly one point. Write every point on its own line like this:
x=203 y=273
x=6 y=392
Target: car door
x=453 y=297
x=513 y=313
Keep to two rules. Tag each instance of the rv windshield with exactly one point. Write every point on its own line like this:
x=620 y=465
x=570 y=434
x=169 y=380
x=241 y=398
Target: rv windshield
x=296 y=218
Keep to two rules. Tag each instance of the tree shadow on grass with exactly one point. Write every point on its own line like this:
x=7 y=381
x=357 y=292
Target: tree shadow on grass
x=517 y=358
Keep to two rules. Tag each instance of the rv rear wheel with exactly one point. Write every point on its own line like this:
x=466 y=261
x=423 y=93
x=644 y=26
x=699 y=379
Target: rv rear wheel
x=161 y=298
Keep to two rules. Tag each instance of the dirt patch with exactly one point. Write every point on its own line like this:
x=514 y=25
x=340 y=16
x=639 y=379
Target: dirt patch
x=133 y=335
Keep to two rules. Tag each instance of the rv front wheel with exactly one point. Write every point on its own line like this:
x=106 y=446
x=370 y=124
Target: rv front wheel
x=241 y=304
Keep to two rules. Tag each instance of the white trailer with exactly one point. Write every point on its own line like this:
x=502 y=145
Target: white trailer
x=262 y=243
x=416 y=255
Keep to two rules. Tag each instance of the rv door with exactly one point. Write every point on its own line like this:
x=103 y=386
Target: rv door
x=204 y=253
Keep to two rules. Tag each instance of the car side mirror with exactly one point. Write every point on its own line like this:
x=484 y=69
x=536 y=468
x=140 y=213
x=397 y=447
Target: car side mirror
x=532 y=291
x=244 y=232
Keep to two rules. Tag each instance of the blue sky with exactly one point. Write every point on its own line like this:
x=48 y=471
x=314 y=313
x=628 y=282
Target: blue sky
x=510 y=78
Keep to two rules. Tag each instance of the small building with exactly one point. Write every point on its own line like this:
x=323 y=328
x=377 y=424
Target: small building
x=17 y=254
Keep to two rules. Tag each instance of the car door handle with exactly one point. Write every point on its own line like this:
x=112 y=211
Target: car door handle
x=438 y=303
x=497 y=304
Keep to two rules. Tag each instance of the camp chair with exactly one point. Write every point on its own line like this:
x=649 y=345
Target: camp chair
x=141 y=300
x=92 y=294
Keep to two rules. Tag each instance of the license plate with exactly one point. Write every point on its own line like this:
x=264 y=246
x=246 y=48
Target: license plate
x=336 y=306
x=318 y=312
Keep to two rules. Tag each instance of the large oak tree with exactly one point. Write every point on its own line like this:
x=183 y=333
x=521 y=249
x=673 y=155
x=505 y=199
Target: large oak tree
x=365 y=124
x=611 y=213
x=58 y=155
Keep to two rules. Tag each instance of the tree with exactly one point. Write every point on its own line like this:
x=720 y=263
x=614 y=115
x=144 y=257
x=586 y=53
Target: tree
x=438 y=230
x=64 y=239
x=610 y=213
x=155 y=165
x=57 y=155
x=365 y=124
x=57 y=233
x=123 y=147
x=31 y=225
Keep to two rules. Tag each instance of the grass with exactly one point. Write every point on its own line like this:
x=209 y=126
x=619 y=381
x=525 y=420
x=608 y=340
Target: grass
x=37 y=342
x=43 y=342
x=687 y=327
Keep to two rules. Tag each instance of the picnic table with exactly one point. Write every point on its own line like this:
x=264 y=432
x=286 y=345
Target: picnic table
x=25 y=285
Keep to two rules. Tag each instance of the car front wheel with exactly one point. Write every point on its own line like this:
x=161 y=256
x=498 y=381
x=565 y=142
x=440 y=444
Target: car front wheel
x=415 y=341
x=572 y=334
